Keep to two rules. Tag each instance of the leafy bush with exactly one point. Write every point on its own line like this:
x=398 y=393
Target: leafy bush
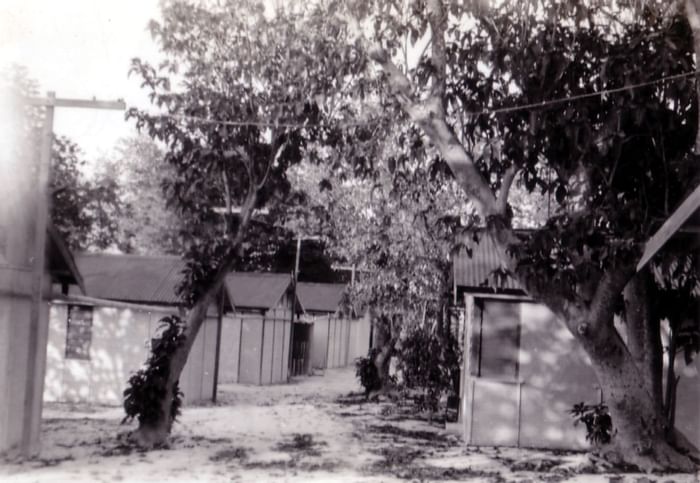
x=367 y=372
x=429 y=361
x=146 y=388
x=598 y=422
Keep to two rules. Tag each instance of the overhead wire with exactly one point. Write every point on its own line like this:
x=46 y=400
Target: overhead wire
x=486 y=111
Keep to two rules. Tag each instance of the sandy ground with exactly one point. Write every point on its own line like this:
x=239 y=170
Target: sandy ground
x=311 y=430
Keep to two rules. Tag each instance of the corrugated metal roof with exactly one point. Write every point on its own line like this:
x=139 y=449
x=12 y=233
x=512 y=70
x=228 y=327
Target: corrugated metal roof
x=255 y=290
x=476 y=272
x=320 y=297
x=131 y=278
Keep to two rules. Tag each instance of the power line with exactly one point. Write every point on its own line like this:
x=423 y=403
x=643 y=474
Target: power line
x=498 y=110
x=577 y=97
x=258 y=123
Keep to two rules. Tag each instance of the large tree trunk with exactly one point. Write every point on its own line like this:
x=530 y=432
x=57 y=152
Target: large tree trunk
x=384 y=343
x=156 y=433
x=644 y=335
x=639 y=425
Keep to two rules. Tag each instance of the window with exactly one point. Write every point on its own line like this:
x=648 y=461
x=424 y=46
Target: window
x=497 y=335
x=79 y=332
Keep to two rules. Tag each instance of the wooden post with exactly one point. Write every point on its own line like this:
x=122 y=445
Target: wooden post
x=240 y=348
x=295 y=277
x=272 y=358
x=262 y=351
x=328 y=340
x=467 y=387
x=219 y=323
x=38 y=261
x=33 y=397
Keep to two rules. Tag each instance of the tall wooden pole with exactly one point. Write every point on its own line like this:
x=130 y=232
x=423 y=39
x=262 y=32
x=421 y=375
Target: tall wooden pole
x=295 y=276
x=33 y=388
x=41 y=169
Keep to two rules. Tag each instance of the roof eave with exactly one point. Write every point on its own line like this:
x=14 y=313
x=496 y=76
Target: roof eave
x=66 y=256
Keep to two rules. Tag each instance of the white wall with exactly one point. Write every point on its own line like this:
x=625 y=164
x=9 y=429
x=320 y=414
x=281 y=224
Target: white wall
x=255 y=348
x=531 y=408
x=337 y=342
x=20 y=423
x=360 y=330
x=119 y=347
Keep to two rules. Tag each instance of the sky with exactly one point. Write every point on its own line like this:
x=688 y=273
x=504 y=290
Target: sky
x=81 y=49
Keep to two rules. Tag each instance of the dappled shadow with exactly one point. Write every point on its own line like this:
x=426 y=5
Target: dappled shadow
x=119 y=345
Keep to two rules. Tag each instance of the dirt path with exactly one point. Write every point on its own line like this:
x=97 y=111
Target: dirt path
x=310 y=430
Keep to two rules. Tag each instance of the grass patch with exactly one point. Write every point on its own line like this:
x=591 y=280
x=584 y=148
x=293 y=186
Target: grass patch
x=433 y=473
x=352 y=398
x=230 y=454
x=410 y=433
x=302 y=444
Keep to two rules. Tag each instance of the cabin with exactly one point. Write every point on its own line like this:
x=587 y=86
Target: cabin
x=257 y=332
x=522 y=369
x=339 y=337
x=97 y=340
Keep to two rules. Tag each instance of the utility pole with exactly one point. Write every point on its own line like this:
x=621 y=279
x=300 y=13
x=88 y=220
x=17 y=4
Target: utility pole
x=33 y=390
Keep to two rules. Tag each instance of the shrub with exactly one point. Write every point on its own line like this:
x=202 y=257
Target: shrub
x=429 y=361
x=597 y=420
x=367 y=372
x=146 y=388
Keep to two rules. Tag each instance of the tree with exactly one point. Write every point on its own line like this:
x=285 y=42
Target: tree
x=620 y=161
x=148 y=226
x=85 y=212
x=238 y=98
x=397 y=225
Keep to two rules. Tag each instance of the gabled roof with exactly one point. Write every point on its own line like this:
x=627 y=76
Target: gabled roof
x=131 y=278
x=476 y=272
x=255 y=290
x=320 y=297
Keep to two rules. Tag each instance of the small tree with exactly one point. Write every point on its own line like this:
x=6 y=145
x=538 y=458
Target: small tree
x=148 y=226
x=390 y=222
x=85 y=211
x=238 y=97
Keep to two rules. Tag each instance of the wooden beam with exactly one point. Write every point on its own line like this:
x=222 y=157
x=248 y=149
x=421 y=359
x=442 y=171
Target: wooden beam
x=674 y=222
x=118 y=105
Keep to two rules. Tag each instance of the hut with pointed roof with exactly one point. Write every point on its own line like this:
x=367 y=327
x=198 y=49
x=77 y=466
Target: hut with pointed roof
x=339 y=336
x=522 y=369
x=257 y=333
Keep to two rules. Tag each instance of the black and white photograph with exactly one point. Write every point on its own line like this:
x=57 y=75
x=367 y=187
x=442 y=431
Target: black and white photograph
x=371 y=241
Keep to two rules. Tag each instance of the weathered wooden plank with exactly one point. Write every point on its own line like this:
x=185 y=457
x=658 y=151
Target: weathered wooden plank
x=674 y=222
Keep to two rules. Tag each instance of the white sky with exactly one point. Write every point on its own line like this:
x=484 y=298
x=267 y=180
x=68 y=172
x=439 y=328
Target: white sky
x=81 y=49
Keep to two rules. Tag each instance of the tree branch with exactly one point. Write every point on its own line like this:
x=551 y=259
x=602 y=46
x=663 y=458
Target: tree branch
x=229 y=205
x=606 y=295
x=247 y=164
x=437 y=19
x=429 y=116
x=506 y=183
x=270 y=163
